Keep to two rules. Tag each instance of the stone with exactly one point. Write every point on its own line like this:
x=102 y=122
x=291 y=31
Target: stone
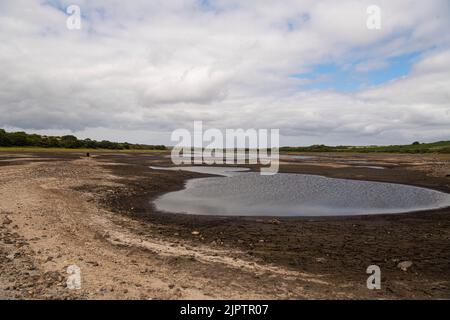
x=404 y=265
x=13 y=255
x=6 y=221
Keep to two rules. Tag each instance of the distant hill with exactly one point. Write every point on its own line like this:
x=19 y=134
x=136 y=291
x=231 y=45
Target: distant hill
x=415 y=147
x=22 y=139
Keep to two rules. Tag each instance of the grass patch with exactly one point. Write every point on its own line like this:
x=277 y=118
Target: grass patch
x=81 y=150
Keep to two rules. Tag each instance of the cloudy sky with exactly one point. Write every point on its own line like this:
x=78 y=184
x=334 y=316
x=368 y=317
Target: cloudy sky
x=136 y=70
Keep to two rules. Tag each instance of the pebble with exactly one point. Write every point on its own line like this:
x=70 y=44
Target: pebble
x=275 y=221
x=13 y=255
x=404 y=265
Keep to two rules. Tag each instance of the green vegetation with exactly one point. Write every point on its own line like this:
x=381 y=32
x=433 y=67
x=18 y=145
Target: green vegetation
x=415 y=147
x=23 y=140
x=77 y=150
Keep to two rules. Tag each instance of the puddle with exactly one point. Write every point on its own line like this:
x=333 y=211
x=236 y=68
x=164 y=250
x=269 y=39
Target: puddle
x=370 y=167
x=240 y=193
x=220 y=171
x=301 y=157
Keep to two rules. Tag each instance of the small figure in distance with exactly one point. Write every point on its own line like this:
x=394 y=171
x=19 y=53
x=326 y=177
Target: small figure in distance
x=87 y=154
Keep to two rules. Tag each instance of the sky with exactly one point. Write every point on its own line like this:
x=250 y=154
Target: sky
x=137 y=70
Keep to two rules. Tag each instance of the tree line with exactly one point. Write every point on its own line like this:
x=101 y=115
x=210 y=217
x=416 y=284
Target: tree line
x=415 y=147
x=22 y=139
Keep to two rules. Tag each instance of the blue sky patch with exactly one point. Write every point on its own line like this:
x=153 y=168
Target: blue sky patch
x=349 y=78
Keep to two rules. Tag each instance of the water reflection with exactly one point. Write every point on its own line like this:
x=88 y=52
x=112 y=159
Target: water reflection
x=250 y=194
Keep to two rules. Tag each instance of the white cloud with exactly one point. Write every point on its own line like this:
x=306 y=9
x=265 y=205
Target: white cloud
x=153 y=66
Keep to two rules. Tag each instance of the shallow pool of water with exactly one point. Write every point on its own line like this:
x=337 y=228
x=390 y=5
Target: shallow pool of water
x=301 y=157
x=220 y=171
x=371 y=167
x=251 y=194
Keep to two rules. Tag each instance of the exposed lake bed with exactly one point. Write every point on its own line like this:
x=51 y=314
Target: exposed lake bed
x=198 y=256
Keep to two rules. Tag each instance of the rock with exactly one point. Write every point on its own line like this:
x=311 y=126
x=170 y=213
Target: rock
x=171 y=286
x=33 y=273
x=275 y=221
x=101 y=235
x=195 y=233
x=131 y=252
x=13 y=255
x=404 y=265
x=6 y=221
x=53 y=276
